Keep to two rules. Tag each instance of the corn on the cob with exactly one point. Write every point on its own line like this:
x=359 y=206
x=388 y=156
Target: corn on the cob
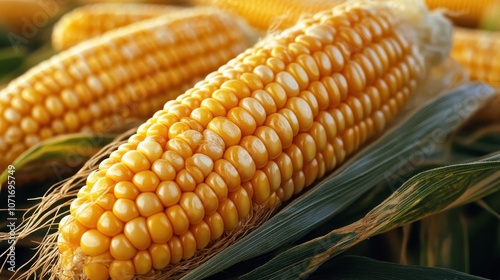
x=252 y=134
x=128 y=73
x=476 y=50
x=93 y=20
x=271 y=14
x=25 y=18
x=463 y=12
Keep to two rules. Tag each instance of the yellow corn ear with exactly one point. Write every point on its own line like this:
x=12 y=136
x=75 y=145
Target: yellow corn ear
x=271 y=14
x=93 y=20
x=254 y=133
x=131 y=72
x=475 y=49
x=467 y=13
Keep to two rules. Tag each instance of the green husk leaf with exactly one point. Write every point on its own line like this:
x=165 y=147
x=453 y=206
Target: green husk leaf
x=420 y=134
x=425 y=194
x=359 y=268
x=10 y=59
x=57 y=157
x=444 y=241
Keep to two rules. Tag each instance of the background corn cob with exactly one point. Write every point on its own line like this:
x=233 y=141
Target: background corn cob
x=463 y=12
x=475 y=49
x=92 y=20
x=127 y=73
x=25 y=16
x=271 y=14
x=251 y=135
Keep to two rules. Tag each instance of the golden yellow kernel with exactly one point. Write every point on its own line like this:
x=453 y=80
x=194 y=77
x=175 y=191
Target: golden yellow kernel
x=275 y=64
x=328 y=123
x=167 y=120
x=302 y=111
x=136 y=231
x=242 y=201
x=101 y=186
x=160 y=255
x=262 y=189
x=201 y=161
x=310 y=172
x=299 y=74
x=125 y=209
x=266 y=100
x=307 y=146
x=242 y=161
x=192 y=206
x=108 y=224
x=178 y=219
x=285 y=165
x=227 y=130
x=168 y=192
x=277 y=93
x=256 y=148
x=279 y=123
x=252 y=81
x=159 y=228
x=225 y=97
x=75 y=204
x=288 y=82
x=208 y=197
x=150 y=149
x=119 y=172
x=298 y=182
x=135 y=161
x=201 y=232
x=296 y=156
x=155 y=129
x=179 y=110
x=214 y=107
x=94 y=243
x=142 y=262
x=244 y=120
x=71 y=231
x=88 y=214
x=254 y=108
x=217 y=185
x=180 y=147
x=29 y=125
x=271 y=169
x=122 y=269
x=188 y=245
x=176 y=250
x=202 y=116
x=229 y=213
x=163 y=169
x=146 y=181
x=125 y=189
x=381 y=55
x=347 y=114
x=148 y=204
x=97 y=271
x=176 y=129
x=185 y=180
x=54 y=106
x=228 y=173
x=270 y=139
x=121 y=248
x=318 y=133
x=216 y=225
x=264 y=73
